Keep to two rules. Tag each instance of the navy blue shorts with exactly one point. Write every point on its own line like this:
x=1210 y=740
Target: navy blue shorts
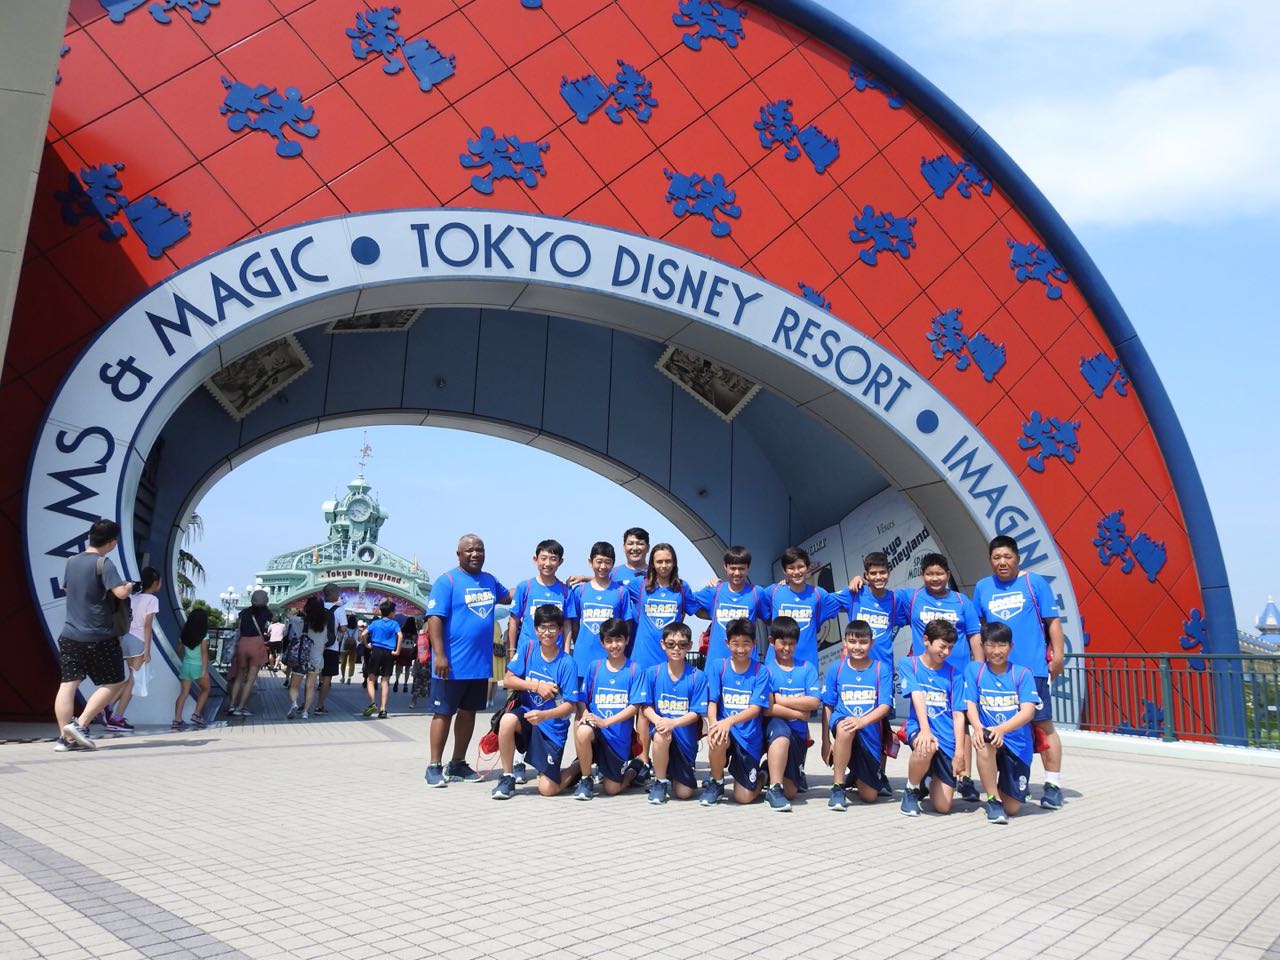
x=449 y=696
x=680 y=768
x=743 y=767
x=608 y=762
x=1012 y=774
x=1045 y=710
x=939 y=765
x=779 y=729
x=539 y=752
x=863 y=767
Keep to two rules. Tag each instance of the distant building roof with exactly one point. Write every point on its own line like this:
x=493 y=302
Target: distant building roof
x=1269 y=618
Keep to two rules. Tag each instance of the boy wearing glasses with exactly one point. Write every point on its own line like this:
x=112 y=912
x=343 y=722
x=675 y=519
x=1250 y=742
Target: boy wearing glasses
x=547 y=681
x=675 y=701
x=737 y=692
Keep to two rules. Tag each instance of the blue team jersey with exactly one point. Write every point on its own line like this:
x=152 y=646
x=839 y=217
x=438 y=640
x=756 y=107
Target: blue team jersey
x=465 y=604
x=723 y=606
x=998 y=696
x=810 y=608
x=943 y=691
x=884 y=614
x=527 y=597
x=625 y=575
x=1024 y=605
x=607 y=692
x=532 y=665
x=733 y=692
x=799 y=681
x=850 y=692
x=383 y=633
x=653 y=610
x=674 y=698
x=953 y=607
x=591 y=607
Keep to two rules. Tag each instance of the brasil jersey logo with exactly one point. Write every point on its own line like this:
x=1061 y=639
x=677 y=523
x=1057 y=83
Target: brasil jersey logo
x=479 y=601
x=593 y=615
x=938 y=613
x=661 y=612
x=1006 y=606
x=725 y=615
x=802 y=614
x=876 y=618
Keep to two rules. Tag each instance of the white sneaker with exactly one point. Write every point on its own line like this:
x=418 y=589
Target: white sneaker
x=293 y=712
x=242 y=712
x=78 y=734
x=304 y=715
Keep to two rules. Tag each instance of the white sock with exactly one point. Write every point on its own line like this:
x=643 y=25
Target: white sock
x=1053 y=778
x=912 y=786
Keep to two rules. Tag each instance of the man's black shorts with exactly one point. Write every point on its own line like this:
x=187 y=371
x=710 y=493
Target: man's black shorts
x=330 y=668
x=381 y=663
x=101 y=660
x=448 y=696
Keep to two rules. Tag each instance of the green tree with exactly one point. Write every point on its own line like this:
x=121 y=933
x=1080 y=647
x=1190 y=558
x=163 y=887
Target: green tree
x=190 y=570
x=216 y=618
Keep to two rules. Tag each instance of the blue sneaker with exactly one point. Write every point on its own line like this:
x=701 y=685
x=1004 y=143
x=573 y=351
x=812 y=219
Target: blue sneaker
x=459 y=771
x=660 y=792
x=1051 y=799
x=802 y=782
x=435 y=776
x=520 y=772
x=966 y=790
x=838 y=800
x=911 y=802
x=776 y=797
x=712 y=791
x=504 y=789
x=884 y=788
x=585 y=790
x=995 y=812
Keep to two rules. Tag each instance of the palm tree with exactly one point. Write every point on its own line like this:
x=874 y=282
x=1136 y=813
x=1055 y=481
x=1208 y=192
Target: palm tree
x=190 y=571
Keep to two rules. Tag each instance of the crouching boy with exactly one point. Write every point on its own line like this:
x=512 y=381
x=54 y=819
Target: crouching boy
x=737 y=693
x=856 y=696
x=795 y=695
x=611 y=691
x=935 y=722
x=675 y=701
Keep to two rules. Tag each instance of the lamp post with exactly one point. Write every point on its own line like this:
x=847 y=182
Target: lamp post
x=230 y=600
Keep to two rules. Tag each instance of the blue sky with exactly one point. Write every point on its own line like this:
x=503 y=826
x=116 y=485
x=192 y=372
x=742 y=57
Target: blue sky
x=1147 y=124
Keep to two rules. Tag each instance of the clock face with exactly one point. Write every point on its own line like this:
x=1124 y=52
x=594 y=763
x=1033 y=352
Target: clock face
x=358 y=509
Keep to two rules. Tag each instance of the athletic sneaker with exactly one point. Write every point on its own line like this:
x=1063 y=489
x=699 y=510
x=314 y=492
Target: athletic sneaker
x=643 y=772
x=1051 y=799
x=884 y=788
x=242 y=712
x=382 y=714
x=321 y=709
x=968 y=791
x=911 y=802
x=293 y=711
x=177 y=725
x=660 y=792
x=777 y=798
x=802 y=782
x=584 y=791
x=459 y=771
x=837 y=801
x=520 y=772
x=505 y=788
x=995 y=812
x=305 y=716
x=924 y=789
x=435 y=776
x=66 y=746
x=114 y=726
x=712 y=791
x=370 y=710
x=78 y=734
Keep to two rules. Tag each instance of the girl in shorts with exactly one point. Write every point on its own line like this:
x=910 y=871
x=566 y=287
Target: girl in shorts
x=136 y=646
x=194 y=649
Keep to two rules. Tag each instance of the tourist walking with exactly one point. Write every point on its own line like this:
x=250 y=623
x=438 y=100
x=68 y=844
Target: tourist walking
x=305 y=655
x=408 y=654
x=421 y=667
x=136 y=646
x=251 y=652
x=334 y=614
x=193 y=647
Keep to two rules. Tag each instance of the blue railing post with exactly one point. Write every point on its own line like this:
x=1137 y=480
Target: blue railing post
x=1166 y=697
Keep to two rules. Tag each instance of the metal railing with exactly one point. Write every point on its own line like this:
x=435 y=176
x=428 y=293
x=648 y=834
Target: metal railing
x=1226 y=698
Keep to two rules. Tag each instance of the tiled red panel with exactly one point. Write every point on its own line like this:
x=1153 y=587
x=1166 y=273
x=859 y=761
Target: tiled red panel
x=135 y=136
x=1123 y=416
x=346 y=134
x=676 y=109
x=790 y=259
x=1002 y=427
x=190 y=104
x=542 y=71
x=1162 y=630
x=1098 y=455
x=1106 y=633
x=1056 y=494
x=232 y=22
x=694 y=233
x=279 y=58
x=382 y=182
x=907 y=332
x=964 y=220
x=288 y=6
x=322 y=25
x=608 y=147
x=1020 y=230
x=791 y=78
x=605 y=209
x=47 y=227
x=567 y=14
x=828 y=225
x=22 y=413
x=109 y=274
x=1020 y=353
x=1163 y=527
x=832 y=67
x=1046 y=318
x=1066 y=353
x=317 y=206
x=1074 y=537
x=989 y=256
x=702 y=148
x=506 y=106
x=91 y=87
x=653 y=21
x=762 y=217
x=885 y=288
x=433 y=150
x=1129 y=595
x=513 y=33
x=46 y=316
x=878 y=184
x=709 y=74
x=146 y=52
x=1185 y=592
x=394 y=104
x=85 y=11
x=794 y=183
x=850 y=309
x=960 y=286
x=768 y=40
x=569 y=180
x=216 y=221
x=261 y=183
x=882 y=123
x=1042 y=389
x=735 y=118
x=507 y=195
x=1121 y=488
x=933 y=252
x=418 y=16
x=855 y=149
x=609 y=36
x=46 y=377
x=1144 y=456
x=642 y=190
x=917 y=142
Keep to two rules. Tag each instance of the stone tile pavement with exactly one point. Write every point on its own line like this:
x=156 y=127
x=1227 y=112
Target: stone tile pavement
x=275 y=839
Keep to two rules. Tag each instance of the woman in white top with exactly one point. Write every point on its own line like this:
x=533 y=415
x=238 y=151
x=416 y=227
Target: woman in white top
x=313 y=624
x=136 y=646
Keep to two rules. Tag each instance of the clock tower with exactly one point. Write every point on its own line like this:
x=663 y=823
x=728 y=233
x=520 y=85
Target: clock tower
x=355 y=519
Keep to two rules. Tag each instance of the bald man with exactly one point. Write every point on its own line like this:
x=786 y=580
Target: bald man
x=460 y=624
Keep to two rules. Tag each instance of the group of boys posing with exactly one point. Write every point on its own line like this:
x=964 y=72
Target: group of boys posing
x=611 y=650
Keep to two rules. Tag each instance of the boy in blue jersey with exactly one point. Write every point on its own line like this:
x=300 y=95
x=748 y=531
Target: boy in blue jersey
x=675 y=701
x=857 y=694
x=591 y=604
x=1025 y=603
x=935 y=722
x=737 y=694
x=545 y=587
x=1001 y=699
x=733 y=598
x=547 y=682
x=612 y=689
x=460 y=624
x=795 y=695
x=809 y=606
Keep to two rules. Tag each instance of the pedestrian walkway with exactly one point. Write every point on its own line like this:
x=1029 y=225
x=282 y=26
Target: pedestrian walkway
x=277 y=839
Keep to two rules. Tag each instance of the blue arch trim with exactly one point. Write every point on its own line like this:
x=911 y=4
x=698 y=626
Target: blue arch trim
x=964 y=130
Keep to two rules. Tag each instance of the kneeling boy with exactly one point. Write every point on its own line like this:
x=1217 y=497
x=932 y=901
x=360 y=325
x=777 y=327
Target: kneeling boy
x=795 y=695
x=737 y=693
x=856 y=696
x=1001 y=700
x=611 y=690
x=675 y=701
x=548 y=685
x=935 y=721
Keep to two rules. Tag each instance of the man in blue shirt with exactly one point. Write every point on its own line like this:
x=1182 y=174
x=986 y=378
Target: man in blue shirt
x=737 y=693
x=384 y=639
x=1024 y=602
x=635 y=556
x=935 y=723
x=460 y=624
x=733 y=598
